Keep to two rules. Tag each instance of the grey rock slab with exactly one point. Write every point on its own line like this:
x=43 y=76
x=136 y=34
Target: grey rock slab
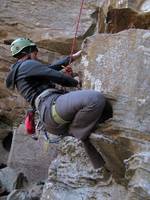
x=19 y=195
x=118 y=64
x=30 y=156
x=10 y=179
x=71 y=176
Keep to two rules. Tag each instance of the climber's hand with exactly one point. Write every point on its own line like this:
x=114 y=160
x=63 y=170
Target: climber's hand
x=67 y=70
x=76 y=55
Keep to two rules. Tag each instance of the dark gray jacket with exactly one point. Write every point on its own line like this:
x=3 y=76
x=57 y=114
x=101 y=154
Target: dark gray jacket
x=31 y=77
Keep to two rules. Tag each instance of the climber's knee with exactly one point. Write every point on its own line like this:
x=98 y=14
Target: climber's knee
x=97 y=99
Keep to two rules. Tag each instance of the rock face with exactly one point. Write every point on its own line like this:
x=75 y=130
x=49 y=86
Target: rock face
x=118 y=66
x=72 y=177
x=10 y=180
x=129 y=19
x=46 y=23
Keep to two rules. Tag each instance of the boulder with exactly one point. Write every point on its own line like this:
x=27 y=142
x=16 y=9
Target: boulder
x=35 y=191
x=47 y=20
x=119 y=69
x=138 y=174
x=117 y=65
x=71 y=176
x=11 y=180
x=129 y=19
x=29 y=156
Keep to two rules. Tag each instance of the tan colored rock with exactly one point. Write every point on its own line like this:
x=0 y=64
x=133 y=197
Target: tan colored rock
x=125 y=18
x=47 y=19
x=11 y=180
x=103 y=8
x=121 y=15
x=117 y=65
x=71 y=176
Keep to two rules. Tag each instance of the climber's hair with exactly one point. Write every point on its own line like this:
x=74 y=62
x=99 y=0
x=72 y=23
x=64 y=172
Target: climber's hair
x=26 y=51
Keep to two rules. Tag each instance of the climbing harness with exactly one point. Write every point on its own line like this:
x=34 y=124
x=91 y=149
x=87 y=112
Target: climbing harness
x=29 y=120
x=41 y=129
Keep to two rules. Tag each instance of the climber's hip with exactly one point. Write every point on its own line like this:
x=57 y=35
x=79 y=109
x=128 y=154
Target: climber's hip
x=45 y=105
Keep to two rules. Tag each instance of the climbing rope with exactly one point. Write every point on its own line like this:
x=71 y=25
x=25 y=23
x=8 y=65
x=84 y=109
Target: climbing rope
x=46 y=136
x=57 y=140
x=76 y=30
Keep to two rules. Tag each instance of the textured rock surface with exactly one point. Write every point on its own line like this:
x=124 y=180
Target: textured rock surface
x=29 y=156
x=118 y=65
x=119 y=68
x=138 y=173
x=46 y=22
x=19 y=194
x=11 y=180
x=71 y=177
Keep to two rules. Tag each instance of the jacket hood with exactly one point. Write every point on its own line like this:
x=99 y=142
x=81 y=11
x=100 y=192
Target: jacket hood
x=10 y=80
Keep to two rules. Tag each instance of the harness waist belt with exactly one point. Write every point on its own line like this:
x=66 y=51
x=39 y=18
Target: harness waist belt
x=56 y=117
x=42 y=95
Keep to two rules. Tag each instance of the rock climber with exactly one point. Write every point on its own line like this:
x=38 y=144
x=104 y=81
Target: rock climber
x=74 y=113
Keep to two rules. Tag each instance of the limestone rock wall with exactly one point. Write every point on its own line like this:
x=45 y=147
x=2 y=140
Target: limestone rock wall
x=117 y=64
x=121 y=72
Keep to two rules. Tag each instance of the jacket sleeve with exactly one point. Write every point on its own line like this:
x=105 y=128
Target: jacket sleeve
x=58 y=64
x=43 y=72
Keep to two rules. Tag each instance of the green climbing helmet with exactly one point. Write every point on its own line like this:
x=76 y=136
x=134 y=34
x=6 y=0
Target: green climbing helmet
x=19 y=44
